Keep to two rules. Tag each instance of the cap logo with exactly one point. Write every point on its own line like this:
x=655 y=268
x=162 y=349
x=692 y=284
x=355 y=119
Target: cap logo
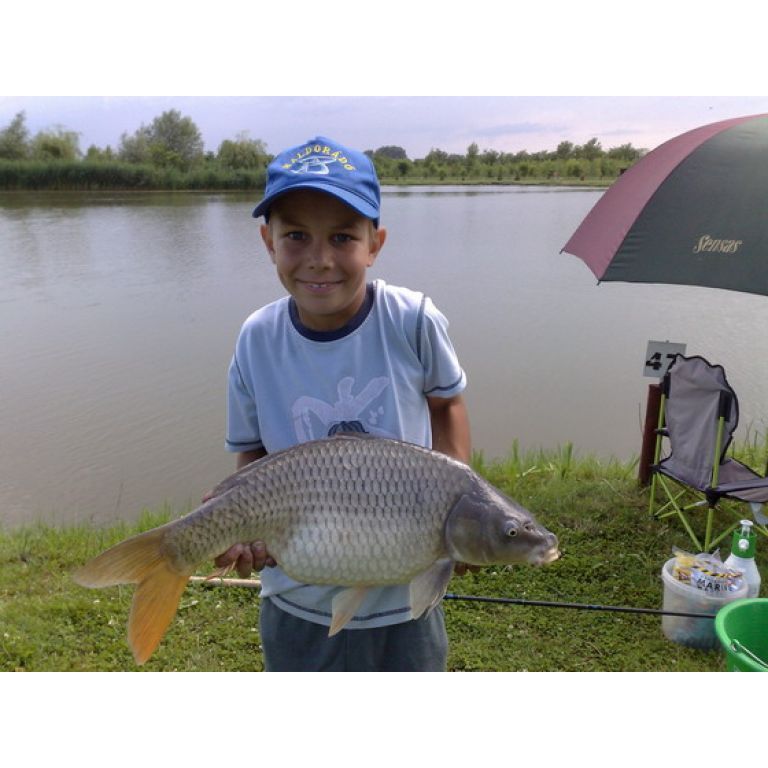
x=316 y=158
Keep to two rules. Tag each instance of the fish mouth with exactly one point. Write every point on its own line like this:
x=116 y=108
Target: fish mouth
x=551 y=555
x=544 y=558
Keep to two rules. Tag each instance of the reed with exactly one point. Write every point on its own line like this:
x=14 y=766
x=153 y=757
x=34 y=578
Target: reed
x=107 y=176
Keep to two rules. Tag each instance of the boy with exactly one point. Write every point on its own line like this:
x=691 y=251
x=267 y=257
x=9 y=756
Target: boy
x=338 y=354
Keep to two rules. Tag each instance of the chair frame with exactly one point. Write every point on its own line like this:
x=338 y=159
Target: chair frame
x=675 y=490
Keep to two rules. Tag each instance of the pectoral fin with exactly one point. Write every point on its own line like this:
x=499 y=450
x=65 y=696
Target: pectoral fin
x=428 y=588
x=344 y=606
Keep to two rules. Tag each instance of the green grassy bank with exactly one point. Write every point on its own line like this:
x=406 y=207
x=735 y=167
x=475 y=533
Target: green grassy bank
x=613 y=554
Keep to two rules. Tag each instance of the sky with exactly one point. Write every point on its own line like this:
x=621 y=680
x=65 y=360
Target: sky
x=416 y=123
x=419 y=75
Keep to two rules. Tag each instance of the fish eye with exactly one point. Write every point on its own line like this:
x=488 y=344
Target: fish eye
x=511 y=531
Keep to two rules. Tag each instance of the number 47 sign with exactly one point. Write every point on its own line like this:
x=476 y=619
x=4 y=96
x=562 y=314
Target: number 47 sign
x=659 y=356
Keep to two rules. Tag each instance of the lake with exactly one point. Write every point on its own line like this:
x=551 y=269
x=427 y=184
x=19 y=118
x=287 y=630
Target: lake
x=119 y=313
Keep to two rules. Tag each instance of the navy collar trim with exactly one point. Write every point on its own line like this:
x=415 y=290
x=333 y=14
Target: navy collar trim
x=337 y=333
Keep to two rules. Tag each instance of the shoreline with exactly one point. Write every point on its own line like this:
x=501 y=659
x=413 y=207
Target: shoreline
x=384 y=182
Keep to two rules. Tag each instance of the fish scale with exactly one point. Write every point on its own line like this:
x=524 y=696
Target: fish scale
x=304 y=502
x=348 y=511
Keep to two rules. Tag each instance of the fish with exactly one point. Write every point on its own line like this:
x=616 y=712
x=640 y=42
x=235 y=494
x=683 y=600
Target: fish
x=351 y=511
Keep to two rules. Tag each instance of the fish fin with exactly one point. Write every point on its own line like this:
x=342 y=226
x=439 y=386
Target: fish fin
x=140 y=560
x=428 y=588
x=343 y=607
x=155 y=603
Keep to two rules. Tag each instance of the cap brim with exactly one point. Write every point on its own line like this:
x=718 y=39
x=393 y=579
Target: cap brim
x=354 y=201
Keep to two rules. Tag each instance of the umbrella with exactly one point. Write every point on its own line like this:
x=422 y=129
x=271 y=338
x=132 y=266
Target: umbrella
x=694 y=211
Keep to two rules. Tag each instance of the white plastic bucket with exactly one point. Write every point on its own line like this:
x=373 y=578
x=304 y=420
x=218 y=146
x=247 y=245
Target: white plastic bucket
x=684 y=598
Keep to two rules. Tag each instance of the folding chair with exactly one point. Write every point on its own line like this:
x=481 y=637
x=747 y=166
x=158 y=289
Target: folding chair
x=698 y=415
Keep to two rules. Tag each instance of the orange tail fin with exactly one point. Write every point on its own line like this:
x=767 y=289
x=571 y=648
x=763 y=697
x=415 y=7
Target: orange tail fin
x=140 y=560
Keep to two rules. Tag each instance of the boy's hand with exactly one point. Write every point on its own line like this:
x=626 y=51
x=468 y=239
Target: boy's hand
x=246 y=557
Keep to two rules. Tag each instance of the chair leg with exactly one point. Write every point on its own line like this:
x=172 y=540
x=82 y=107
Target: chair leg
x=677 y=510
x=723 y=536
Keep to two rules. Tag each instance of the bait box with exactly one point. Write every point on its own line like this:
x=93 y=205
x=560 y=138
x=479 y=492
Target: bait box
x=685 y=598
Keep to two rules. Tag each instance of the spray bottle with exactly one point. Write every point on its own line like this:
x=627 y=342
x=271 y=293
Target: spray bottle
x=742 y=557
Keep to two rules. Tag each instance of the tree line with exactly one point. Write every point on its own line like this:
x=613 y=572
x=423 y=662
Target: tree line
x=569 y=162
x=170 y=153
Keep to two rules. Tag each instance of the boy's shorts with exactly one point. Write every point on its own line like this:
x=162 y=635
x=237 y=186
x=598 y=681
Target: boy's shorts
x=291 y=644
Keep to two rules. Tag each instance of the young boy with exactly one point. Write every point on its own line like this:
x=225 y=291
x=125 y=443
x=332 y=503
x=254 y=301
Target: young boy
x=338 y=354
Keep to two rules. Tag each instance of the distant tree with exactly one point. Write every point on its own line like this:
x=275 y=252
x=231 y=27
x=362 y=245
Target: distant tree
x=14 y=138
x=94 y=153
x=564 y=150
x=242 y=152
x=592 y=150
x=471 y=160
x=55 y=144
x=136 y=148
x=391 y=152
x=171 y=140
x=625 y=152
x=437 y=156
x=403 y=167
x=175 y=140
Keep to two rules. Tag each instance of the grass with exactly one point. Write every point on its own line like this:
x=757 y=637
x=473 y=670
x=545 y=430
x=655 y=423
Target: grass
x=613 y=554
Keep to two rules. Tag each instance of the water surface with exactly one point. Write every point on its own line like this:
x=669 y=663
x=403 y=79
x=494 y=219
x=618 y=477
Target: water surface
x=119 y=313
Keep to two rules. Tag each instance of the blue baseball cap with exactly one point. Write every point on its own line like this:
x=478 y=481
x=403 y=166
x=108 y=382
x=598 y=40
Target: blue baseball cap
x=327 y=166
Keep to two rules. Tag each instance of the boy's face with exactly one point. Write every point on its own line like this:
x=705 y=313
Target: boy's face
x=322 y=249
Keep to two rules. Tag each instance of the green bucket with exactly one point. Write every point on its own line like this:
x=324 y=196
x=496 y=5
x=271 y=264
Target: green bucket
x=742 y=628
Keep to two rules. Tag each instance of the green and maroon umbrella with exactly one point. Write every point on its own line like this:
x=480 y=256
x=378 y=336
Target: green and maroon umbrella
x=694 y=211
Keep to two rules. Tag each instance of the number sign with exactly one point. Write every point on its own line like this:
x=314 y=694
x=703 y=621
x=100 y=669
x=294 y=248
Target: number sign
x=659 y=356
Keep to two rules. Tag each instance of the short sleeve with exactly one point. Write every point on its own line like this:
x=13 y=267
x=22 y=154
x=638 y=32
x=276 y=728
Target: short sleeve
x=243 y=432
x=443 y=375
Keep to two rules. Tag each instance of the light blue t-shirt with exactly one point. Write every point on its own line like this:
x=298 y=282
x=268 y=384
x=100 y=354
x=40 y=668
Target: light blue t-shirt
x=289 y=384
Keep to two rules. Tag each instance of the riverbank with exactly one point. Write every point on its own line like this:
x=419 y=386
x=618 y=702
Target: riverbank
x=613 y=554
x=533 y=181
x=102 y=176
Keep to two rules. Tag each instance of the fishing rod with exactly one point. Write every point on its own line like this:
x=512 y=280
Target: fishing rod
x=579 y=606
x=256 y=583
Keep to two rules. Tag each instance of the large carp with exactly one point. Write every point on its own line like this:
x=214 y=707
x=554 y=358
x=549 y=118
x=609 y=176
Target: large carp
x=349 y=511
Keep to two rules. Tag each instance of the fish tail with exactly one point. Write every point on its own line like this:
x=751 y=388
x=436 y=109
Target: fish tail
x=140 y=560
